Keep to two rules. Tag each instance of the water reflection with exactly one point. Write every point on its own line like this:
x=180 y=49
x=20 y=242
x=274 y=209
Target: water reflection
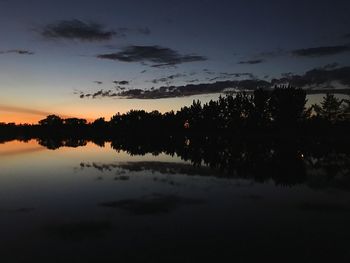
x=154 y=204
x=163 y=200
x=286 y=163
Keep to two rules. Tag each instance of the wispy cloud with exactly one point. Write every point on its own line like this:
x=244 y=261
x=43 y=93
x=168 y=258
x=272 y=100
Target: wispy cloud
x=24 y=110
x=18 y=51
x=321 y=51
x=121 y=82
x=330 y=66
x=8 y=108
x=237 y=75
x=168 y=79
x=252 y=62
x=124 y=31
x=270 y=54
x=310 y=52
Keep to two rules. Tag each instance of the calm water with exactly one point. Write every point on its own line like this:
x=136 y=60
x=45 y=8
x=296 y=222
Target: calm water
x=94 y=203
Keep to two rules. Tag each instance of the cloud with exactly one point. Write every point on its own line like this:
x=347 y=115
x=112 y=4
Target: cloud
x=194 y=89
x=192 y=81
x=119 y=88
x=315 y=80
x=168 y=79
x=16 y=109
x=238 y=75
x=331 y=66
x=287 y=74
x=318 y=78
x=98 y=94
x=157 y=55
x=321 y=51
x=121 y=82
x=270 y=54
x=226 y=75
x=18 y=51
x=77 y=30
x=209 y=72
x=123 y=31
x=312 y=52
x=215 y=78
x=252 y=62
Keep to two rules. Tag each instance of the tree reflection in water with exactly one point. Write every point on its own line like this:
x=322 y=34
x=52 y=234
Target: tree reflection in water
x=286 y=162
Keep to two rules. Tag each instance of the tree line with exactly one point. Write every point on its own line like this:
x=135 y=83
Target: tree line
x=263 y=111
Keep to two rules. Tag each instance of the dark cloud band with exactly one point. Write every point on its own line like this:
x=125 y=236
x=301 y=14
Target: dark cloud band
x=158 y=55
x=251 y=62
x=318 y=79
x=321 y=51
x=76 y=29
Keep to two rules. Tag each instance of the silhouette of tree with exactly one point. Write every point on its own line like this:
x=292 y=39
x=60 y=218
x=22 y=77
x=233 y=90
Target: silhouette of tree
x=74 y=122
x=99 y=123
x=330 y=109
x=195 y=116
x=233 y=111
x=116 y=120
x=52 y=121
x=260 y=114
x=211 y=116
x=346 y=109
x=287 y=105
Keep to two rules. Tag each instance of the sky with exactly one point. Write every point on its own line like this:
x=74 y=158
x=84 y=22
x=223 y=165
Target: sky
x=94 y=58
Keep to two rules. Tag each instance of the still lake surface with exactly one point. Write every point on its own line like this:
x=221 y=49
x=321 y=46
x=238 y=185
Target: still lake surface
x=97 y=204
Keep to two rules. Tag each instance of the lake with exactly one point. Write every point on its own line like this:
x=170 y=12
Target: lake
x=103 y=204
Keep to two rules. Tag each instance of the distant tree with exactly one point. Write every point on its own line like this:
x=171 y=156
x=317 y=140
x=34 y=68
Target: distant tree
x=196 y=112
x=52 y=121
x=260 y=114
x=99 y=123
x=75 y=122
x=233 y=111
x=331 y=108
x=346 y=109
x=116 y=120
x=211 y=115
x=193 y=115
x=287 y=105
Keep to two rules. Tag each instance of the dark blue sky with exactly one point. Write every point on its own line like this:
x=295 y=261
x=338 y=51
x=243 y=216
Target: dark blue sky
x=52 y=52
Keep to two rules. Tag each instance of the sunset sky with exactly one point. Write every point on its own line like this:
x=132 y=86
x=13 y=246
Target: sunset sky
x=77 y=58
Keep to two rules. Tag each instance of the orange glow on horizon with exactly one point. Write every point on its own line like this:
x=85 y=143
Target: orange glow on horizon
x=19 y=118
x=26 y=118
x=94 y=109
